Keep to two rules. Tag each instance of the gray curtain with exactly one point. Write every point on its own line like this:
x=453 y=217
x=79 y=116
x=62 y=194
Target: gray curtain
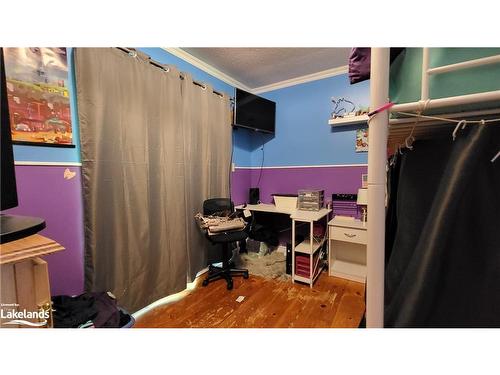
x=207 y=153
x=134 y=125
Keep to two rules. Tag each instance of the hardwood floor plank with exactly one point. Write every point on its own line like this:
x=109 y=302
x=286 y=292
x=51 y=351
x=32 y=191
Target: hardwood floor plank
x=319 y=308
x=294 y=308
x=253 y=309
x=351 y=303
x=224 y=304
x=268 y=303
x=172 y=314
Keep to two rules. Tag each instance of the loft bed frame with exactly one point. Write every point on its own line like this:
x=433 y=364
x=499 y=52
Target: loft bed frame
x=385 y=133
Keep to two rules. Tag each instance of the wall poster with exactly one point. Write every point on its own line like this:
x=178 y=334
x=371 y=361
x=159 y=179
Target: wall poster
x=362 y=140
x=38 y=96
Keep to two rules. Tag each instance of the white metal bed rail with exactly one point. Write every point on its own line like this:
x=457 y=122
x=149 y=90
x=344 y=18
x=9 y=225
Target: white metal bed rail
x=453 y=100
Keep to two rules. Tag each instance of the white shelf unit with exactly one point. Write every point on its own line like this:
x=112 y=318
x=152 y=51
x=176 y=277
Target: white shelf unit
x=308 y=247
x=346 y=121
x=347 y=249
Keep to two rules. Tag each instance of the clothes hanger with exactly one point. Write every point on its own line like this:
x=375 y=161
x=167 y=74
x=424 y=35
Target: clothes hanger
x=462 y=123
x=410 y=138
x=495 y=157
x=394 y=156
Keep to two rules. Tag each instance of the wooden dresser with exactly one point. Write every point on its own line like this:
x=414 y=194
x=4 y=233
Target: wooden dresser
x=24 y=282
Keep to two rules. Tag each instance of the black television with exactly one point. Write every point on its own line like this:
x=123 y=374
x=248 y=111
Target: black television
x=254 y=112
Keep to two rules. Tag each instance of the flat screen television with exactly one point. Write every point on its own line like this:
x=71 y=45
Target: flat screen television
x=254 y=112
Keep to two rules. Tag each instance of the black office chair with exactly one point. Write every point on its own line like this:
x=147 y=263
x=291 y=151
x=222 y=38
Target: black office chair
x=223 y=207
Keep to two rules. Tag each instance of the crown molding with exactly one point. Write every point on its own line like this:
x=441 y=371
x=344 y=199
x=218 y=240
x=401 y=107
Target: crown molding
x=303 y=79
x=207 y=68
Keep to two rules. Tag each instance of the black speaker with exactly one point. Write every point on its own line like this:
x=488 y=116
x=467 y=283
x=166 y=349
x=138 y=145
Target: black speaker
x=253 y=196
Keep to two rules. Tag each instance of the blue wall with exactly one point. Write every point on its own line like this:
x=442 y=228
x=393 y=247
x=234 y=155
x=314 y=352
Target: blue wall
x=303 y=136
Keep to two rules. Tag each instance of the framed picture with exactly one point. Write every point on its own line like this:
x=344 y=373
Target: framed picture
x=362 y=140
x=38 y=96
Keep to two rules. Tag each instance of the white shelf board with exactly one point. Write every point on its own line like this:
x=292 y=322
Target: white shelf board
x=302 y=279
x=353 y=120
x=308 y=280
x=305 y=246
x=348 y=270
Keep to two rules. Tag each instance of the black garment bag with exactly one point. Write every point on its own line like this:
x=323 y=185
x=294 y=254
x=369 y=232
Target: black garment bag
x=443 y=252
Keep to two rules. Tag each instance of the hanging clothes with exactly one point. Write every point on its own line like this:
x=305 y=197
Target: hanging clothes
x=443 y=264
x=360 y=63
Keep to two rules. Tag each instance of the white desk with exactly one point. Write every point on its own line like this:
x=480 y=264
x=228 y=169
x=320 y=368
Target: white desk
x=299 y=215
x=306 y=248
x=347 y=241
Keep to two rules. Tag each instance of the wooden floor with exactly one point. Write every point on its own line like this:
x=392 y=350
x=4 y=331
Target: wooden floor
x=333 y=302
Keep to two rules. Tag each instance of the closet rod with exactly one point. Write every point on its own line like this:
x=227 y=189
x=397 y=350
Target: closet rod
x=159 y=65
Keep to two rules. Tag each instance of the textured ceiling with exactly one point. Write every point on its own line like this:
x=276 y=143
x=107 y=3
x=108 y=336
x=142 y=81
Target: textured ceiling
x=255 y=67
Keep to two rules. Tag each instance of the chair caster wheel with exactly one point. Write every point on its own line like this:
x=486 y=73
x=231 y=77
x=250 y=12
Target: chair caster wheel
x=204 y=283
x=230 y=285
x=245 y=275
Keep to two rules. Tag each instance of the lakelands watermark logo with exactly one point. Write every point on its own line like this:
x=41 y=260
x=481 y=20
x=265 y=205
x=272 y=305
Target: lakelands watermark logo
x=23 y=317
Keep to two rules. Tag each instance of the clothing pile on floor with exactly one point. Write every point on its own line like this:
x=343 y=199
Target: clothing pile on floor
x=88 y=310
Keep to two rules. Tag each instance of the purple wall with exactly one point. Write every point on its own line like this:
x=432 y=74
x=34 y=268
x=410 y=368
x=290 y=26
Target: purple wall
x=240 y=182
x=337 y=179
x=44 y=192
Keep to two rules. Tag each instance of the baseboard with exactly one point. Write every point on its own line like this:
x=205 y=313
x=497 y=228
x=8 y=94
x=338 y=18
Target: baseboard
x=204 y=270
x=171 y=298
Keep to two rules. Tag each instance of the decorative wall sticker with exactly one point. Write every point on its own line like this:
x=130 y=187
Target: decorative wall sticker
x=68 y=174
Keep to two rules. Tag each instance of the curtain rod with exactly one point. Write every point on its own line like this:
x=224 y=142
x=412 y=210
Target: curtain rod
x=131 y=52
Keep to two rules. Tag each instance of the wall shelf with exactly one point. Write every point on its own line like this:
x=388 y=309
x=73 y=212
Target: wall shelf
x=348 y=121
